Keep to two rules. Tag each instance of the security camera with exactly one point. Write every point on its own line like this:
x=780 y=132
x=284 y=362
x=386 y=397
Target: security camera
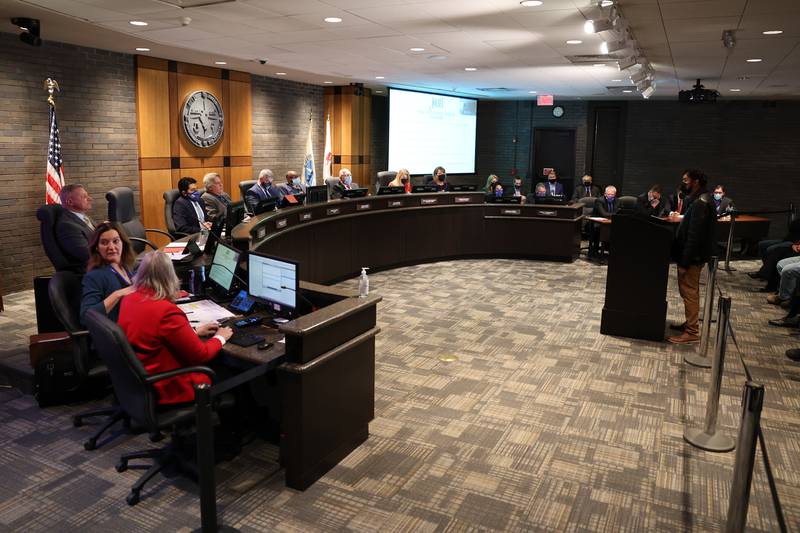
x=263 y=61
x=185 y=21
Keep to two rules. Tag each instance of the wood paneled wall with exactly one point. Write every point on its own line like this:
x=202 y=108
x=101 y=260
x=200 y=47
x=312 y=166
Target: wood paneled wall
x=165 y=155
x=350 y=110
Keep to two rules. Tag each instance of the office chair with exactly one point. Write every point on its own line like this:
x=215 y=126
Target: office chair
x=627 y=203
x=122 y=210
x=169 y=199
x=65 y=296
x=139 y=398
x=331 y=182
x=48 y=216
x=384 y=177
x=245 y=186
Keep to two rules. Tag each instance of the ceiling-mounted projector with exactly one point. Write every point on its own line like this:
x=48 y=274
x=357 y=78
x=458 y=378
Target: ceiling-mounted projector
x=698 y=94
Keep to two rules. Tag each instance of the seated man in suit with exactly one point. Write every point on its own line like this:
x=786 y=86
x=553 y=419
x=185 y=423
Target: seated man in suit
x=74 y=227
x=262 y=190
x=539 y=192
x=517 y=190
x=187 y=213
x=554 y=188
x=586 y=189
x=652 y=203
x=345 y=183
x=215 y=200
x=607 y=205
x=293 y=185
x=722 y=204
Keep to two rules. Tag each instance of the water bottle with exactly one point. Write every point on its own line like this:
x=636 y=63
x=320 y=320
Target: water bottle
x=201 y=241
x=363 y=283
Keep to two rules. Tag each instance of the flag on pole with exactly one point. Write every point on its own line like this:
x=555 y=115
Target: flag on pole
x=55 y=172
x=327 y=156
x=308 y=166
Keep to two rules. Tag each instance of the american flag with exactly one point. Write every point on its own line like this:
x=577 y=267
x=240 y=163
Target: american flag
x=55 y=172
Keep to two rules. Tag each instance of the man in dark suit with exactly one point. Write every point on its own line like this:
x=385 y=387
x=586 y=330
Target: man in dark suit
x=607 y=205
x=345 y=183
x=264 y=189
x=74 y=227
x=693 y=247
x=586 y=189
x=722 y=204
x=187 y=213
x=215 y=201
x=553 y=187
x=653 y=203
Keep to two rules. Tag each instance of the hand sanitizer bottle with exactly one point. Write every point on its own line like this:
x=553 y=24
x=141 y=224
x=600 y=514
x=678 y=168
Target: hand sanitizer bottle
x=363 y=283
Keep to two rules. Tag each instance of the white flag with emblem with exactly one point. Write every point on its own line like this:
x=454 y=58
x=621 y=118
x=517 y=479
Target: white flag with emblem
x=308 y=166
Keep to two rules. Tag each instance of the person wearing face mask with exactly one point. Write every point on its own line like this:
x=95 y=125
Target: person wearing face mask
x=264 y=189
x=554 y=188
x=722 y=204
x=607 y=205
x=517 y=192
x=293 y=184
x=215 y=201
x=402 y=179
x=586 y=189
x=539 y=192
x=653 y=203
x=187 y=211
x=440 y=179
x=345 y=183
x=693 y=246
x=491 y=183
x=498 y=190
x=108 y=277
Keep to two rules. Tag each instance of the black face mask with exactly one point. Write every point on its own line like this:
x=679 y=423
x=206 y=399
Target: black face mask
x=552 y=178
x=685 y=188
x=404 y=180
x=587 y=182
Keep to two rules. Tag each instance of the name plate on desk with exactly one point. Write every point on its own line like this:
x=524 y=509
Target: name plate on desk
x=280 y=223
x=363 y=207
x=261 y=232
x=461 y=199
x=546 y=213
x=510 y=211
x=395 y=203
x=333 y=211
x=429 y=201
x=305 y=216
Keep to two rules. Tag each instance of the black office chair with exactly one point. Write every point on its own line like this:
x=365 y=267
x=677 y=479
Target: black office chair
x=48 y=216
x=627 y=204
x=169 y=199
x=121 y=209
x=245 y=186
x=384 y=177
x=65 y=296
x=331 y=182
x=137 y=395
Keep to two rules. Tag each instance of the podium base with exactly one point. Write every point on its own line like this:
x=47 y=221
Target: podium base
x=711 y=443
x=697 y=360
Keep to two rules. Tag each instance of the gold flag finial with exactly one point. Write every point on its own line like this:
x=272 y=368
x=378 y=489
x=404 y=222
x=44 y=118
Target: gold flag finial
x=51 y=86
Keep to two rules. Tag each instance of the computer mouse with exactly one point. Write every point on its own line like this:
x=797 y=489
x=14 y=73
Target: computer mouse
x=265 y=346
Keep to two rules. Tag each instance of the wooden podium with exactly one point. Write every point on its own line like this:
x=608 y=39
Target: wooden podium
x=636 y=284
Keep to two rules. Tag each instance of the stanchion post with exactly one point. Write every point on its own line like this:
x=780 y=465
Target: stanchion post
x=708 y=438
x=752 y=402
x=728 y=267
x=700 y=359
x=205 y=460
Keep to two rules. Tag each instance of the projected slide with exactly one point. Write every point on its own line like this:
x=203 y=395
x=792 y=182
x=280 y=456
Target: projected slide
x=428 y=130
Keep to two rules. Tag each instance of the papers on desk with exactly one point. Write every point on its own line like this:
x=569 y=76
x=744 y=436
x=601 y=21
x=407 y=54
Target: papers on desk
x=204 y=311
x=599 y=219
x=176 y=250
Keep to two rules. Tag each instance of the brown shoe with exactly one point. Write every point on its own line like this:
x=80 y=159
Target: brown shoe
x=684 y=338
x=774 y=299
x=678 y=327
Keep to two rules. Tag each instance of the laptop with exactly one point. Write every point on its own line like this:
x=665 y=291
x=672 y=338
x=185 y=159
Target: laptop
x=424 y=188
x=391 y=190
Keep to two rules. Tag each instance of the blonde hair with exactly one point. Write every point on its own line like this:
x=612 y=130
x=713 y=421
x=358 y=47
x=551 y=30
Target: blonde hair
x=156 y=273
x=396 y=182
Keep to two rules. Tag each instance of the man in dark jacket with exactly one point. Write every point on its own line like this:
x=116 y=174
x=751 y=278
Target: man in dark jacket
x=187 y=213
x=653 y=203
x=694 y=246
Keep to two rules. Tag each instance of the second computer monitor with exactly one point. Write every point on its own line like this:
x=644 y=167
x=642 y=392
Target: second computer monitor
x=273 y=280
x=316 y=194
x=223 y=267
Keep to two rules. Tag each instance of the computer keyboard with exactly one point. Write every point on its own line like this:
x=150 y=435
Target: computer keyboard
x=242 y=338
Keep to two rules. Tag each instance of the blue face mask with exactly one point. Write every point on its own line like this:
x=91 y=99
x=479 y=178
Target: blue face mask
x=195 y=196
x=717 y=196
x=498 y=192
x=610 y=197
x=348 y=180
x=296 y=181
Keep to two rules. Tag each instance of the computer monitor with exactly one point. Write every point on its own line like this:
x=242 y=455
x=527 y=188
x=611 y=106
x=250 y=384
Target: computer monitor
x=354 y=193
x=391 y=190
x=316 y=194
x=292 y=200
x=551 y=200
x=424 y=188
x=272 y=280
x=265 y=205
x=223 y=267
x=464 y=188
x=234 y=216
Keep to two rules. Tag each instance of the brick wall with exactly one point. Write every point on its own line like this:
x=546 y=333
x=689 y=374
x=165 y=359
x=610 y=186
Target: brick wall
x=97 y=122
x=280 y=125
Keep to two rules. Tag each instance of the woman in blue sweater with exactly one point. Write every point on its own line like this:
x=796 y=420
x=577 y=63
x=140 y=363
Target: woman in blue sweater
x=108 y=276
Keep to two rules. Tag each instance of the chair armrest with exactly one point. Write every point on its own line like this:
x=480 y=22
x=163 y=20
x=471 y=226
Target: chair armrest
x=180 y=371
x=179 y=234
x=81 y=333
x=158 y=231
x=148 y=243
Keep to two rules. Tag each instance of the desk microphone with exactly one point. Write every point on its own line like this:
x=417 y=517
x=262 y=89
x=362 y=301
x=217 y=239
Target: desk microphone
x=229 y=270
x=300 y=294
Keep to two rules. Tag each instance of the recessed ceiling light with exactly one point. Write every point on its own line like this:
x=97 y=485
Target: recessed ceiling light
x=142 y=49
x=735 y=90
x=332 y=19
x=379 y=77
x=531 y=92
x=574 y=41
x=627 y=91
x=220 y=63
x=280 y=74
x=754 y=60
x=416 y=49
x=327 y=82
x=470 y=69
x=616 y=80
x=606 y=3
x=772 y=32
x=437 y=58
x=138 y=23
x=531 y=3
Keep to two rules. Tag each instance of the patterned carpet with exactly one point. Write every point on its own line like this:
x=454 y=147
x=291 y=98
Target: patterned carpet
x=540 y=424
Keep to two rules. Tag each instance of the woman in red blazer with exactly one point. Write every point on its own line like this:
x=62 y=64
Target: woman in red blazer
x=160 y=333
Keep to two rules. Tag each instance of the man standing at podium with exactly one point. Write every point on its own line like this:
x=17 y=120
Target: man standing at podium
x=693 y=247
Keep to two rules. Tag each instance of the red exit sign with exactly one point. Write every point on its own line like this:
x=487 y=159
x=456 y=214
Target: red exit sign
x=544 y=99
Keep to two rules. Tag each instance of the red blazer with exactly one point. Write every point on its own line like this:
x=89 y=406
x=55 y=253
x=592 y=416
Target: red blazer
x=164 y=340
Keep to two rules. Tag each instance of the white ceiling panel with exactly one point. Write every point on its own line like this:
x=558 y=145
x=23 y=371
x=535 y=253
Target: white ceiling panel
x=695 y=9
x=702 y=30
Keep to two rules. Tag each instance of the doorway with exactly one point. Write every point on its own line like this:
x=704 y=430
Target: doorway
x=554 y=148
